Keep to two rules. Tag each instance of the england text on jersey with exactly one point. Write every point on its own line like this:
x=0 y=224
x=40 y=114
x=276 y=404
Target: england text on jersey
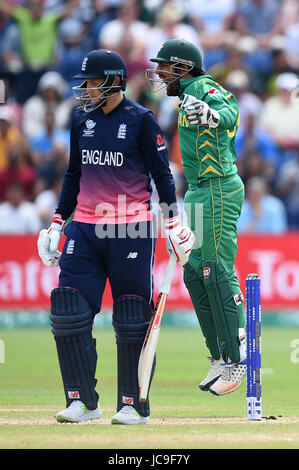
x=100 y=157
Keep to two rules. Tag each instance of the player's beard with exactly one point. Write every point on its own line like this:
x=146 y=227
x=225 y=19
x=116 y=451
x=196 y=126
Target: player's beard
x=173 y=88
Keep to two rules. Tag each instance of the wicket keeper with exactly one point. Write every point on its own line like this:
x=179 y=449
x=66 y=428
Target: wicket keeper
x=208 y=120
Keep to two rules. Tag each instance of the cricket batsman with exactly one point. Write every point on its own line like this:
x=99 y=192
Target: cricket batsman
x=208 y=120
x=116 y=147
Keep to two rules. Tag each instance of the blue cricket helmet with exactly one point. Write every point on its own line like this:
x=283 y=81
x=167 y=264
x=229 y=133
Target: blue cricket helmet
x=101 y=63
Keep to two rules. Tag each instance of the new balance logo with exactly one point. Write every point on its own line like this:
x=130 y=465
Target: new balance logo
x=132 y=255
x=70 y=247
x=122 y=131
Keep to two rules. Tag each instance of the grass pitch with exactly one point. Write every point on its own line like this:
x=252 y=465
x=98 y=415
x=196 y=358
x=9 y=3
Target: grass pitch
x=182 y=416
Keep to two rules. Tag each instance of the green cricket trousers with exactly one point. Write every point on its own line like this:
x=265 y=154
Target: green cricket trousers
x=213 y=208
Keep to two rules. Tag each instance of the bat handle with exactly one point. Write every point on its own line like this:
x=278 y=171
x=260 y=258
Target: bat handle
x=165 y=286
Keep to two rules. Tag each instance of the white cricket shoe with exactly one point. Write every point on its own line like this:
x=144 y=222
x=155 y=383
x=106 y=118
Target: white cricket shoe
x=216 y=369
x=128 y=415
x=230 y=378
x=77 y=412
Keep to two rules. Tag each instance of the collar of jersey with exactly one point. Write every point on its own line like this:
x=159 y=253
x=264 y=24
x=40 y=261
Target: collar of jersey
x=184 y=82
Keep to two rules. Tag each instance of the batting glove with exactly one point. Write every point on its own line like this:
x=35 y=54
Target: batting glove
x=48 y=241
x=199 y=113
x=179 y=239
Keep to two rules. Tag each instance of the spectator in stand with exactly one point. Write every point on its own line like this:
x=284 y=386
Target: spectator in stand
x=102 y=14
x=288 y=189
x=260 y=19
x=280 y=63
x=250 y=165
x=74 y=45
x=46 y=202
x=234 y=60
x=11 y=52
x=238 y=82
x=126 y=25
x=127 y=35
x=113 y=4
x=258 y=155
x=151 y=9
x=261 y=213
x=134 y=55
x=50 y=97
x=18 y=216
x=10 y=135
x=289 y=28
x=38 y=34
x=289 y=14
x=170 y=24
x=83 y=12
x=42 y=144
x=257 y=152
x=292 y=44
x=15 y=110
x=75 y=40
x=19 y=169
x=213 y=17
x=4 y=25
x=54 y=168
x=280 y=114
x=213 y=20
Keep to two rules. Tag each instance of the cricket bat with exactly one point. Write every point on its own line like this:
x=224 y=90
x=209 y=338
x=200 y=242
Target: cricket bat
x=149 y=346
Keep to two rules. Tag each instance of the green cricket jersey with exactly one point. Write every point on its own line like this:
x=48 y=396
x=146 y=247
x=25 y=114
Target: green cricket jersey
x=208 y=153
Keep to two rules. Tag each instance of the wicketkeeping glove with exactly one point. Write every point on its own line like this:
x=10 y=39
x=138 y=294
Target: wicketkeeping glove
x=199 y=113
x=180 y=239
x=48 y=241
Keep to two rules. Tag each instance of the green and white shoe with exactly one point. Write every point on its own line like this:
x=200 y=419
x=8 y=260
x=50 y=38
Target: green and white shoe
x=230 y=379
x=216 y=369
x=128 y=415
x=77 y=412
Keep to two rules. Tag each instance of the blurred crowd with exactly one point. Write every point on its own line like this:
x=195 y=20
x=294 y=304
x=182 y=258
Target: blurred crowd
x=251 y=47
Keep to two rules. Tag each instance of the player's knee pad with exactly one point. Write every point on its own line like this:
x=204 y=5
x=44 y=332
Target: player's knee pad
x=131 y=318
x=71 y=321
x=223 y=307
